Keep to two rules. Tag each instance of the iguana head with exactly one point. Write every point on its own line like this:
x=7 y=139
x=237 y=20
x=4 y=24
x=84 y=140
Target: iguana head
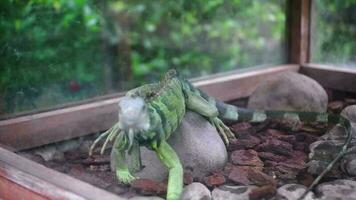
x=133 y=116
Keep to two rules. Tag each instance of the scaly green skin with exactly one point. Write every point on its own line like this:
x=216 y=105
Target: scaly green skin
x=166 y=103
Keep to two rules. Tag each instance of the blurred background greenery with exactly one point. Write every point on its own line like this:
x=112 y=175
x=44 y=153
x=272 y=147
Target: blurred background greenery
x=333 y=39
x=53 y=52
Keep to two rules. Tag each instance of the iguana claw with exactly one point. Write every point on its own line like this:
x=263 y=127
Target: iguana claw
x=223 y=130
x=125 y=176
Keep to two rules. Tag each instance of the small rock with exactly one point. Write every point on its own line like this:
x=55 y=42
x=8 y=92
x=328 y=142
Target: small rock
x=276 y=146
x=350 y=113
x=335 y=133
x=292 y=192
x=246 y=157
x=289 y=168
x=149 y=187
x=325 y=150
x=249 y=175
x=271 y=156
x=232 y=192
x=242 y=128
x=338 y=189
x=85 y=146
x=348 y=164
x=47 y=152
x=317 y=166
x=264 y=192
x=214 y=180
x=244 y=141
x=69 y=145
x=289 y=91
x=196 y=191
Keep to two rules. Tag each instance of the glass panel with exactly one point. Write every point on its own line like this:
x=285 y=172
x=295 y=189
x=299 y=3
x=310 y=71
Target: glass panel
x=58 y=51
x=333 y=39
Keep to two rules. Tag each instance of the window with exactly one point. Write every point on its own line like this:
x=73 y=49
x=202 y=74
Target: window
x=334 y=32
x=58 y=51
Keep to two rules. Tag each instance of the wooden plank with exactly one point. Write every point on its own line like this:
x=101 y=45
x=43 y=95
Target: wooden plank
x=57 y=125
x=239 y=85
x=298 y=23
x=337 y=78
x=37 y=181
x=15 y=185
x=12 y=191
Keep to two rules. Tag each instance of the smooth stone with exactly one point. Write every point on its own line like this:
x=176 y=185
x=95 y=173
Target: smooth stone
x=198 y=145
x=289 y=91
x=232 y=192
x=293 y=192
x=196 y=191
x=338 y=189
x=348 y=164
x=350 y=113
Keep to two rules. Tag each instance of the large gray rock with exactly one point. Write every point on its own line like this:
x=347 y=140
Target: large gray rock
x=350 y=113
x=232 y=192
x=339 y=189
x=198 y=146
x=293 y=192
x=289 y=91
x=196 y=191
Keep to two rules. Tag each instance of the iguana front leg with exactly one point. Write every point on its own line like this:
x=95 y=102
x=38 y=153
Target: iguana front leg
x=119 y=150
x=169 y=158
x=198 y=104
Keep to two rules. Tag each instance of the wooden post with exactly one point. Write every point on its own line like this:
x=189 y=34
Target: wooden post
x=298 y=23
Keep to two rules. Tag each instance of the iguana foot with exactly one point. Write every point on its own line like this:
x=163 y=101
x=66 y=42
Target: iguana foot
x=124 y=176
x=173 y=196
x=223 y=130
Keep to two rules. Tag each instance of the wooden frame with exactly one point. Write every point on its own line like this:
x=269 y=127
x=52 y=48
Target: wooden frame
x=299 y=30
x=21 y=178
x=24 y=179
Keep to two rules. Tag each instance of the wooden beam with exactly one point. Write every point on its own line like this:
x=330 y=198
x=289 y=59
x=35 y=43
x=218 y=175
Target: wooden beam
x=298 y=20
x=66 y=123
x=21 y=178
x=239 y=84
x=337 y=78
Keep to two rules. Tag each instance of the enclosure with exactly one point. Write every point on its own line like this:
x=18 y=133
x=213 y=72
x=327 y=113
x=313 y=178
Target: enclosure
x=66 y=64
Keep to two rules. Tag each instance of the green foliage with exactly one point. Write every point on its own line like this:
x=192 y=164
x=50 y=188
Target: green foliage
x=202 y=37
x=46 y=43
x=58 y=51
x=335 y=32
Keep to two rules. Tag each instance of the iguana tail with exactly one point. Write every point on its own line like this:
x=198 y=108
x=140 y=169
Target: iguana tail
x=230 y=113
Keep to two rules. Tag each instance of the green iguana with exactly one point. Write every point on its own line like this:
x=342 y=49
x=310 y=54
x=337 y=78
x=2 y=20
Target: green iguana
x=149 y=114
